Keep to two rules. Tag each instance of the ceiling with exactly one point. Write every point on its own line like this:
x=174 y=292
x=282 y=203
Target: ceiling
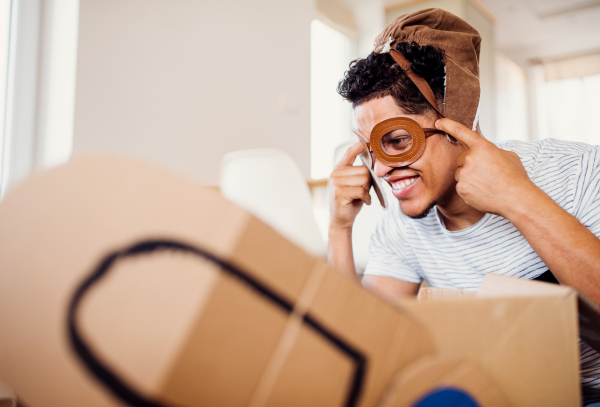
x=529 y=30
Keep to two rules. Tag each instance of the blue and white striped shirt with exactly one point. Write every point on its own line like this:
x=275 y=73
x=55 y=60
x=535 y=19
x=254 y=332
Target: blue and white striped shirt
x=423 y=249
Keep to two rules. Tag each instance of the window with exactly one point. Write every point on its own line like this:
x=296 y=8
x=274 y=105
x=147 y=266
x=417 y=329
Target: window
x=5 y=29
x=330 y=114
x=37 y=85
x=569 y=109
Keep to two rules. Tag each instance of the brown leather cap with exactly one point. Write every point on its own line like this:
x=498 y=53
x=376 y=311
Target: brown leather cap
x=461 y=44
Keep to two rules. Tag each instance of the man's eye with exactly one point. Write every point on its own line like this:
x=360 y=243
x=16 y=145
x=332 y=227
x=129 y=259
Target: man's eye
x=399 y=140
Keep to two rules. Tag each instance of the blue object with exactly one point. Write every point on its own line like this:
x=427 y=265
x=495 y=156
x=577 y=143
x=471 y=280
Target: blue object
x=446 y=397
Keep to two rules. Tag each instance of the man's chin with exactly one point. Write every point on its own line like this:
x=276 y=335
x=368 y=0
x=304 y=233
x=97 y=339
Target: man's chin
x=417 y=213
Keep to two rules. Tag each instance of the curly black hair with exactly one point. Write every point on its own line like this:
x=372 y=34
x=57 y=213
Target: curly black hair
x=378 y=75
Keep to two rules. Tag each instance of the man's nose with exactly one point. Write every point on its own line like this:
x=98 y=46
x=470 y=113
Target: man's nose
x=382 y=169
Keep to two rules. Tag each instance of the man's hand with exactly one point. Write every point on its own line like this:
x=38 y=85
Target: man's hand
x=348 y=189
x=488 y=178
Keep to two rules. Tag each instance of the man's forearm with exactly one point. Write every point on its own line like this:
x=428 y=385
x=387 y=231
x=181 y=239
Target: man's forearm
x=567 y=247
x=339 y=253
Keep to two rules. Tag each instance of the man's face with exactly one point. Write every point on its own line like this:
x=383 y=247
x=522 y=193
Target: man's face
x=427 y=181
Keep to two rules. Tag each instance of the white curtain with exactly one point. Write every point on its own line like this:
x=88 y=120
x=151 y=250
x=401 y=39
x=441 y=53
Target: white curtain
x=569 y=109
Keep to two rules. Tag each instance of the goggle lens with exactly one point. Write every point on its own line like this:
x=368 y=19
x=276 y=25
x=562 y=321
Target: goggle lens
x=396 y=142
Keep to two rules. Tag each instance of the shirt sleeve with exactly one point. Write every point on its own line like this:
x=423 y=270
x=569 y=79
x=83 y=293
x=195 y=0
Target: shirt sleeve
x=390 y=256
x=567 y=172
x=586 y=202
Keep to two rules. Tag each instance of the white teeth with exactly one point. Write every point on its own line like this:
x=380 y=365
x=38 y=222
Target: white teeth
x=404 y=183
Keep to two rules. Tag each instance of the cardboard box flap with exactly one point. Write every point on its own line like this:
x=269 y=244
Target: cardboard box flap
x=495 y=285
x=434 y=293
x=388 y=337
x=59 y=225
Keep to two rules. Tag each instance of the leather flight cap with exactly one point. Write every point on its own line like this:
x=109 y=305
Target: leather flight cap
x=461 y=44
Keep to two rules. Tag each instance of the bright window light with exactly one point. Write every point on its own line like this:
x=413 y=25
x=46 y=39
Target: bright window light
x=330 y=114
x=569 y=109
x=4 y=49
x=57 y=118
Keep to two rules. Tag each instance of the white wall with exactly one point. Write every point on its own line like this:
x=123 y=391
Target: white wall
x=183 y=82
x=370 y=19
x=331 y=115
x=511 y=102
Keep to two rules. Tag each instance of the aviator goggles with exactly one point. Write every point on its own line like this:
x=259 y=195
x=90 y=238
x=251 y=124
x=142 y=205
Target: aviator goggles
x=399 y=141
x=396 y=142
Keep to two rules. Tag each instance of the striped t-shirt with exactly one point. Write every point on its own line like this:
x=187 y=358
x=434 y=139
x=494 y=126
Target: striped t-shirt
x=423 y=249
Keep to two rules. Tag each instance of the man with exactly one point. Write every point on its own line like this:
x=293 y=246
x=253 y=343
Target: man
x=466 y=207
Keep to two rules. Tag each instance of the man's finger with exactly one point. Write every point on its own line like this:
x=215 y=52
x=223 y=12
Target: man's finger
x=460 y=160
x=459 y=132
x=457 y=174
x=355 y=193
x=346 y=171
x=351 y=154
x=353 y=181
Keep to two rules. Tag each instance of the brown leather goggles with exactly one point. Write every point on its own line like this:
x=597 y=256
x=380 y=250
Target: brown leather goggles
x=396 y=142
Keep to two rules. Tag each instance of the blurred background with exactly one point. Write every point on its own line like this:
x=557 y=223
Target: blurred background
x=184 y=82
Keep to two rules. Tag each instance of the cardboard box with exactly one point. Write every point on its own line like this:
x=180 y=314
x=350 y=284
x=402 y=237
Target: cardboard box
x=199 y=304
x=125 y=284
x=523 y=333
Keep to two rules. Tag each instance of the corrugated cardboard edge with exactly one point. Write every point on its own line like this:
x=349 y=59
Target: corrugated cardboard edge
x=434 y=294
x=497 y=285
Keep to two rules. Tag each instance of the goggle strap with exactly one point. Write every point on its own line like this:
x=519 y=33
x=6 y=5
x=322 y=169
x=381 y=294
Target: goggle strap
x=430 y=131
x=419 y=82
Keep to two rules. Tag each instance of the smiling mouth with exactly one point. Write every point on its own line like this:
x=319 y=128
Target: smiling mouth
x=403 y=183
